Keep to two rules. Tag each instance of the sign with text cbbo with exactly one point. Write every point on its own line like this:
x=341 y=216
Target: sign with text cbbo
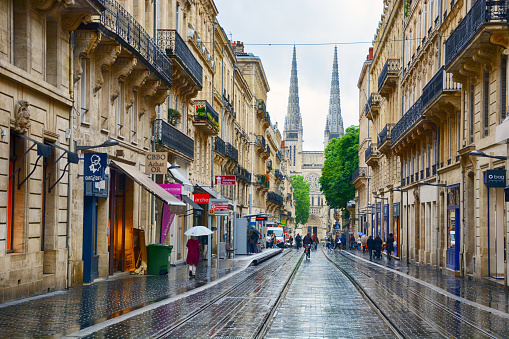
x=495 y=178
x=95 y=166
x=156 y=163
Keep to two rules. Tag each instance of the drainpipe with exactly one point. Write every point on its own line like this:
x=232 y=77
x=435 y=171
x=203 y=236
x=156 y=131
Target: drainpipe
x=69 y=175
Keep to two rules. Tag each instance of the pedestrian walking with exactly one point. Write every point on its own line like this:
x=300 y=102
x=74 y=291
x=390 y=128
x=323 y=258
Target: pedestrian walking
x=378 y=246
x=390 y=245
x=253 y=239
x=298 y=240
x=352 y=241
x=337 y=243
x=364 y=242
x=371 y=246
x=193 y=255
x=359 y=243
x=343 y=241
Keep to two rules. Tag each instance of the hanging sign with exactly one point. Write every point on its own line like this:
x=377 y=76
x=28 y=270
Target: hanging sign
x=95 y=166
x=201 y=199
x=495 y=178
x=156 y=163
x=167 y=217
x=395 y=210
x=220 y=206
x=225 y=180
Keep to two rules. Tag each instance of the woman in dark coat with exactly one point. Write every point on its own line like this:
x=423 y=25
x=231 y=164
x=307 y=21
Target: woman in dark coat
x=377 y=244
x=193 y=255
x=390 y=245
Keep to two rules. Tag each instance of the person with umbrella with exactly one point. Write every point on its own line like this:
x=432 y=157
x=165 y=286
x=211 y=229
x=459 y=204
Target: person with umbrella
x=193 y=247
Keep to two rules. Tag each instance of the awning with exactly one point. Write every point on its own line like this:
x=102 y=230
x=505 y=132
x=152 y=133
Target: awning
x=188 y=187
x=255 y=215
x=212 y=192
x=191 y=203
x=176 y=206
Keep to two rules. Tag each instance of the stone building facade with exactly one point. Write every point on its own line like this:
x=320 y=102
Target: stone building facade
x=448 y=136
x=75 y=83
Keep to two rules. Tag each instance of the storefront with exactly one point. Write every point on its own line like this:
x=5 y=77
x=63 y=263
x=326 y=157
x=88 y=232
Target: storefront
x=453 y=227
x=396 y=227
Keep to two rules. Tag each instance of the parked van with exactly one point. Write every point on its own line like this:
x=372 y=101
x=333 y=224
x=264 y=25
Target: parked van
x=278 y=232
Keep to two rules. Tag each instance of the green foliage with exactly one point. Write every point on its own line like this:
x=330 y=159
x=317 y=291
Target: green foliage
x=302 y=203
x=407 y=7
x=341 y=160
x=173 y=116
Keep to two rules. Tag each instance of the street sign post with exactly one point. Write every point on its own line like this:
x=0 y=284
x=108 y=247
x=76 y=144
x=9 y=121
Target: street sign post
x=220 y=206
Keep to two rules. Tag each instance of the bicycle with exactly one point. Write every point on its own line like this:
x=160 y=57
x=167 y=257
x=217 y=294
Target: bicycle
x=307 y=250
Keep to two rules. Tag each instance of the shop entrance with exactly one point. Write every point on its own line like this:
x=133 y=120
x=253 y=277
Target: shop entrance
x=453 y=227
x=396 y=227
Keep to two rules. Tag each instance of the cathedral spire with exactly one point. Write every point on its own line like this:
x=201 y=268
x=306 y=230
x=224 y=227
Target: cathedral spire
x=334 y=124
x=293 y=120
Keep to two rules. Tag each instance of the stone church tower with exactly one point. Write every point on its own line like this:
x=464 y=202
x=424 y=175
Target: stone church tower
x=334 y=124
x=293 y=121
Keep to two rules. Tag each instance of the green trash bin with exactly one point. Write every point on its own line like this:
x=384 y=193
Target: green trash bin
x=158 y=258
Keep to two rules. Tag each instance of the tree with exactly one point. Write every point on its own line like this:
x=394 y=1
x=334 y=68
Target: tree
x=302 y=203
x=341 y=160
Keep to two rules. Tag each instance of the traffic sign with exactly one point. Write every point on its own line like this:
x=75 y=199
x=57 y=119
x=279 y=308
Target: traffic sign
x=219 y=207
x=212 y=211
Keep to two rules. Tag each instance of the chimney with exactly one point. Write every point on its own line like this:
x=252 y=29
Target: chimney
x=370 y=55
x=238 y=47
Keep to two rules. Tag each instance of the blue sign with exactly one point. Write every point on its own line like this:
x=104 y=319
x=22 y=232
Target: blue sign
x=95 y=166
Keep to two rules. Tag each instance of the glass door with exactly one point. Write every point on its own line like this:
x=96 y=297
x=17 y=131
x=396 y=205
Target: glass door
x=453 y=227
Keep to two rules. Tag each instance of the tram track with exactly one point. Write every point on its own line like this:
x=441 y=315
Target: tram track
x=270 y=268
x=420 y=295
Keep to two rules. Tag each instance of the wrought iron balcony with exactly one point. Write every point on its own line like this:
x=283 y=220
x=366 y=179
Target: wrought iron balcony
x=177 y=49
x=413 y=115
x=370 y=154
x=231 y=152
x=243 y=175
x=260 y=108
x=440 y=83
x=175 y=140
x=373 y=104
x=119 y=25
x=206 y=118
x=263 y=180
x=384 y=138
x=275 y=198
x=388 y=76
x=481 y=13
x=279 y=155
x=279 y=175
x=360 y=172
x=219 y=146
x=268 y=150
x=266 y=120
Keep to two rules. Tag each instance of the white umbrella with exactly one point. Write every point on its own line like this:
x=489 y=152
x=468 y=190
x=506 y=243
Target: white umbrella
x=197 y=231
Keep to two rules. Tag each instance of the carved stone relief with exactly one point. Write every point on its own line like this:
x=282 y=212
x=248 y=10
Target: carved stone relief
x=22 y=116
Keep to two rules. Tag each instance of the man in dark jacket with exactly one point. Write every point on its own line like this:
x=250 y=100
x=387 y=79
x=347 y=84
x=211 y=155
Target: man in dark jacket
x=378 y=246
x=343 y=241
x=352 y=241
x=371 y=246
x=390 y=245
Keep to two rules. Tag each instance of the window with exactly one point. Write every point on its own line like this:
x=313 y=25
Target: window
x=428 y=156
x=430 y=14
x=485 y=103
x=425 y=18
x=450 y=138
x=503 y=87
x=51 y=51
x=419 y=29
x=119 y=111
x=458 y=131
x=177 y=19
x=16 y=198
x=134 y=118
x=20 y=34
x=471 y=112
x=84 y=90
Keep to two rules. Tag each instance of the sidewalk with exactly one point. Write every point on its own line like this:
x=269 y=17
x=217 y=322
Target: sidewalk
x=62 y=312
x=478 y=292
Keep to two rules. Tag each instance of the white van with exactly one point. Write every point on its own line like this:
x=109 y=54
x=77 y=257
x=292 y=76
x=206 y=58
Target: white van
x=278 y=232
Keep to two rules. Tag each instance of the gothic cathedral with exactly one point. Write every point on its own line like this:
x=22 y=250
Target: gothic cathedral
x=309 y=163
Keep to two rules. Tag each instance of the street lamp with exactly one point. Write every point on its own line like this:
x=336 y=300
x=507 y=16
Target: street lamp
x=107 y=143
x=476 y=153
x=407 y=237
x=424 y=183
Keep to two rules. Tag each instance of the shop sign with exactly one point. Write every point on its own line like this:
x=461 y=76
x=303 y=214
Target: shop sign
x=175 y=189
x=495 y=178
x=95 y=166
x=225 y=180
x=283 y=222
x=201 y=199
x=220 y=206
x=156 y=163
x=167 y=217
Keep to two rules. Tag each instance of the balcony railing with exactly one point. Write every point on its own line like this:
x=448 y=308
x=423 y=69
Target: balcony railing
x=370 y=151
x=231 y=152
x=219 y=146
x=279 y=155
x=279 y=175
x=482 y=12
x=391 y=67
x=243 y=174
x=204 y=111
x=274 y=197
x=263 y=179
x=176 y=48
x=384 y=135
x=441 y=82
x=359 y=172
x=124 y=27
x=373 y=101
x=407 y=121
x=268 y=150
x=171 y=137
x=260 y=141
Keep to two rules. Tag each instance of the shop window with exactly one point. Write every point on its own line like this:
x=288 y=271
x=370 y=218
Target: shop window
x=48 y=202
x=51 y=51
x=16 y=197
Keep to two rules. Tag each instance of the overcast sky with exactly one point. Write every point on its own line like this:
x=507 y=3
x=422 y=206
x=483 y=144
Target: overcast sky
x=302 y=22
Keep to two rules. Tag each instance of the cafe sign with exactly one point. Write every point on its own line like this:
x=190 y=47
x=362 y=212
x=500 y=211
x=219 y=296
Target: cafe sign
x=495 y=178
